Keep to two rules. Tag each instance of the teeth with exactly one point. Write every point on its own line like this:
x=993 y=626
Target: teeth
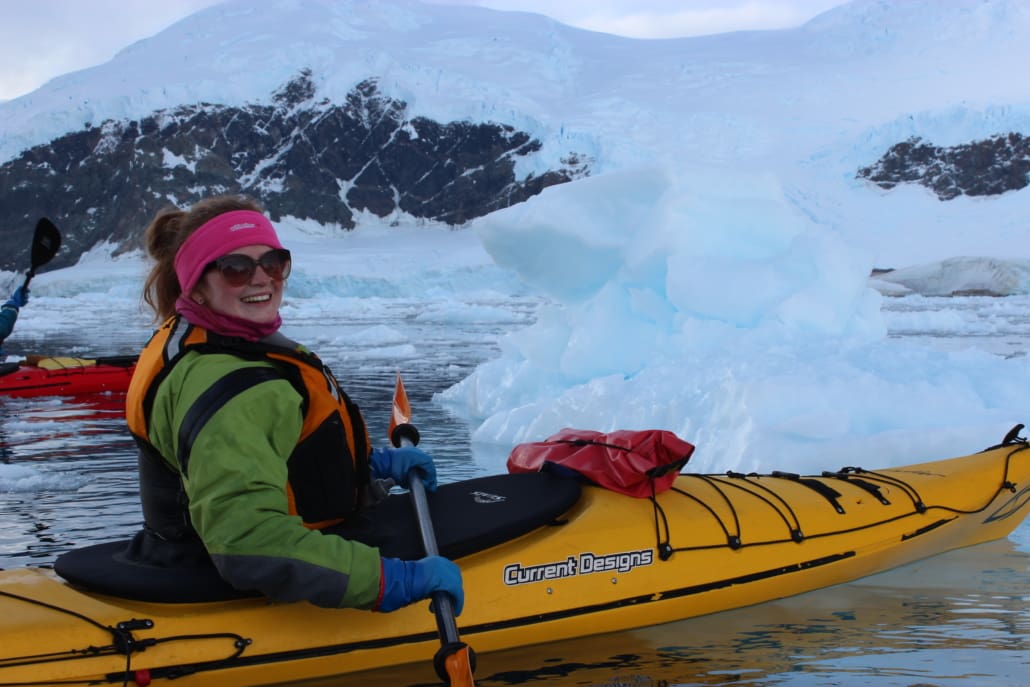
x=256 y=299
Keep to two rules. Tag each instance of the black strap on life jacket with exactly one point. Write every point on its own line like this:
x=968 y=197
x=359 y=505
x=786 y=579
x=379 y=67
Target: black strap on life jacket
x=214 y=399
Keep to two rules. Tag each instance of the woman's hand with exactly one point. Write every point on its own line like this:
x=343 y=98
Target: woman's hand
x=405 y=582
x=397 y=462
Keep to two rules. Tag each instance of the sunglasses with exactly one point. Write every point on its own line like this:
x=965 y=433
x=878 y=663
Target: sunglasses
x=238 y=269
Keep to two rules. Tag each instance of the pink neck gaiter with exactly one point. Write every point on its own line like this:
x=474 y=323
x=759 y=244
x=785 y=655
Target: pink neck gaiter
x=220 y=236
x=226 y=325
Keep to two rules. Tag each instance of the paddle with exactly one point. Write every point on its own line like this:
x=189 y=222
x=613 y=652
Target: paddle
x=45 y=242
x=454 y=660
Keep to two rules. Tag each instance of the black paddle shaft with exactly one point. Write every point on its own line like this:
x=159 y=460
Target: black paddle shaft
x=443 y=605
x=407 y=434
x=442 y=602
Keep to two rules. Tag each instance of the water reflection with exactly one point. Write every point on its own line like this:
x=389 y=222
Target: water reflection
x=68 y=476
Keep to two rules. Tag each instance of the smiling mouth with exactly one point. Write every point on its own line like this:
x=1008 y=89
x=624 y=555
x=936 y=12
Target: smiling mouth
x=257 y=299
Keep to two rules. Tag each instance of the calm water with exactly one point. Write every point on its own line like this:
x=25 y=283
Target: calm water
x=67 y=478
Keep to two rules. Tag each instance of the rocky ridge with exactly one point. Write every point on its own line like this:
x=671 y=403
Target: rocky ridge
x=300 y=155
x=986 y=167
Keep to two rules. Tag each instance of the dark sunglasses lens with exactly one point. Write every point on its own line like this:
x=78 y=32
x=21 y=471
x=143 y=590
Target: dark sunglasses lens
x=276 y=263
x=236 y=269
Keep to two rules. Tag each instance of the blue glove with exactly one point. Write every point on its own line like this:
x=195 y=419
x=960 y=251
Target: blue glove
x=405 y=582
x=19 y=298
x=396 y=462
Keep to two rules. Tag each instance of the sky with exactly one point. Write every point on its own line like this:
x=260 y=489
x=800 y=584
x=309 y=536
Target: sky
x=46 y=38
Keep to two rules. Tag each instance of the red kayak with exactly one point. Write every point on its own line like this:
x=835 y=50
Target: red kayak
x=63 y=376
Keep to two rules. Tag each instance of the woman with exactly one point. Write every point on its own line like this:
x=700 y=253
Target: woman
x=248 y=448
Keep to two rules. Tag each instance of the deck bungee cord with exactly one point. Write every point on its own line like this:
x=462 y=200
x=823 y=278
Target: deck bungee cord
x=871 y=482
x=873 y=489
x=122 y=642
x=910 y=491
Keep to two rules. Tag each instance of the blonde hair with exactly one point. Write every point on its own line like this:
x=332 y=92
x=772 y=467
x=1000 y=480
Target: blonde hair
x=166 y=233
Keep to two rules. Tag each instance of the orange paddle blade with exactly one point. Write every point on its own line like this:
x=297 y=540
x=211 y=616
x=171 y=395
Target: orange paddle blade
x=459 y=668
x=401 y=408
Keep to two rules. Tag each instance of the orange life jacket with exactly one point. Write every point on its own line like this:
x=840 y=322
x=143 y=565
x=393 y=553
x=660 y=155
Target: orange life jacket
x=327 y=471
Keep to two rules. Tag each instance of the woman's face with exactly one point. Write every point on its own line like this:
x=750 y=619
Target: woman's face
x=257 y=300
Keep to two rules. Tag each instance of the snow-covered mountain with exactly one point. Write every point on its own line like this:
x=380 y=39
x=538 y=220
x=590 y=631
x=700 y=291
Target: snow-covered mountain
x=820 y=110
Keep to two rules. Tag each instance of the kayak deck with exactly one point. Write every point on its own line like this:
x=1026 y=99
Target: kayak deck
x=609 y=563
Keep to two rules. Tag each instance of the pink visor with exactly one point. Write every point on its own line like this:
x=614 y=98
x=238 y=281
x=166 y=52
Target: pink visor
x=220 y=236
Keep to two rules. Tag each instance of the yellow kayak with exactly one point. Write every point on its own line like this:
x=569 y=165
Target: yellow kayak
x=593 y=561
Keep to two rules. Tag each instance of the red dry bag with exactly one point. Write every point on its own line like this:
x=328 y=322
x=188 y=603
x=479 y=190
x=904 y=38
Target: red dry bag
x=639 y=463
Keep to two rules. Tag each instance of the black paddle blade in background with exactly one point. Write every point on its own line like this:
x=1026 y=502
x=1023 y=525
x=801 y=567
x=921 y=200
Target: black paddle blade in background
x=45 y=243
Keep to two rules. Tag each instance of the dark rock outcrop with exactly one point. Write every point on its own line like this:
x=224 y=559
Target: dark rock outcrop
x=301 y=156
x=982 y=168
